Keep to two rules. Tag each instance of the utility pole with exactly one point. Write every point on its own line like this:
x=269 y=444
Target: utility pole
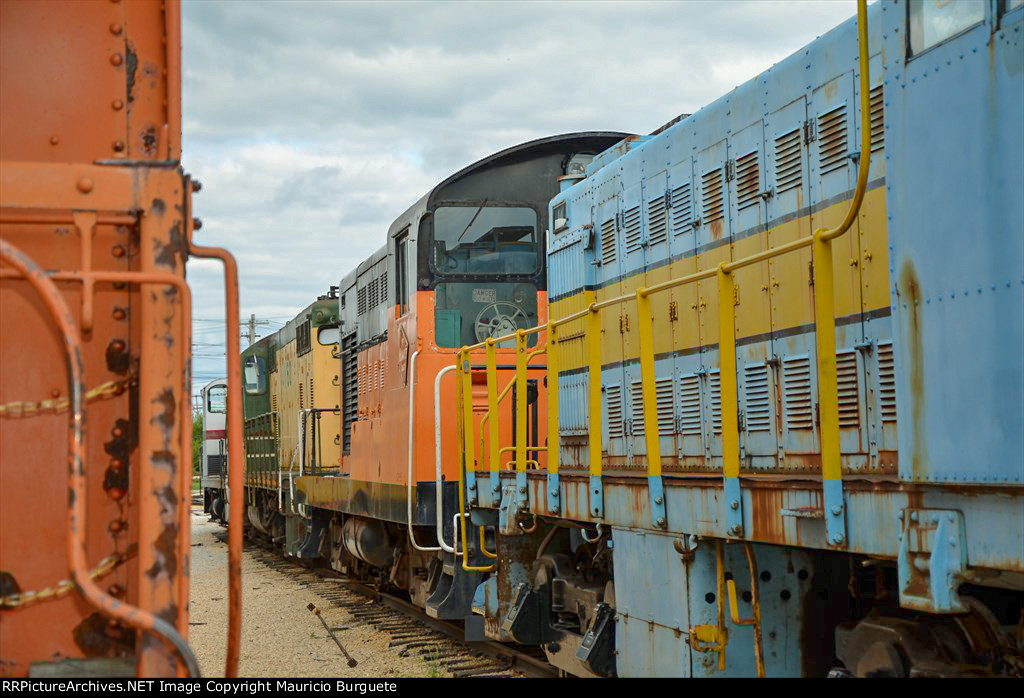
x=253 y=322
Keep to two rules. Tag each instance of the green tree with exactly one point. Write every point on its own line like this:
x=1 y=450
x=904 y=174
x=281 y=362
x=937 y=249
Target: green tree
x=197 y=444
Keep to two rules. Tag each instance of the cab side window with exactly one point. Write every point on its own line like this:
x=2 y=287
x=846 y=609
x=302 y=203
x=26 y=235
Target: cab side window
x=402 y=273
x=934 y=21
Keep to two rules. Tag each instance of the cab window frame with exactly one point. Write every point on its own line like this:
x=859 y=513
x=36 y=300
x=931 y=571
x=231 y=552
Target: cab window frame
x=403 y=288
x=911 y=53
x=223 y=390
x=538 y=264
x=260 y=364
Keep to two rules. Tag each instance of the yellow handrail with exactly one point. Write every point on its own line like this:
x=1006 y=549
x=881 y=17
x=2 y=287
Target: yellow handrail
x=483 y=544
x=824 y=307
x=464 y=397
x=755 y=604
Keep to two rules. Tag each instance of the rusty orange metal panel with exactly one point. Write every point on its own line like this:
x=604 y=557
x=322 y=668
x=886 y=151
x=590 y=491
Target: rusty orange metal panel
x=94 y=233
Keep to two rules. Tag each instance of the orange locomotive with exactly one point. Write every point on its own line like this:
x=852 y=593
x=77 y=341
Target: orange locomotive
x=354 y=475
x=95 y=415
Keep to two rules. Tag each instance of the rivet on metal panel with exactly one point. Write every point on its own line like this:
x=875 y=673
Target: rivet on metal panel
x=54 y=140
x=116 y=59
x=85 y=185
x=117 y=251
x=116 y=29
x=117 y=105
x=118 y=146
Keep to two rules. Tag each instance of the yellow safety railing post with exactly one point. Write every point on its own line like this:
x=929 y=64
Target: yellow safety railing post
x=493 y=424
x=825 y=313
x=553 y=487
x=648 y=384
x=729 y=401
x=521 y=404
x=593 y=348
x=464 y=401
x=755 y=604
x=468 y=428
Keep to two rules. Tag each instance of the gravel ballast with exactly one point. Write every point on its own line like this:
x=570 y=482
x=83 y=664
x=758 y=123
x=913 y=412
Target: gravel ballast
x=280 y=637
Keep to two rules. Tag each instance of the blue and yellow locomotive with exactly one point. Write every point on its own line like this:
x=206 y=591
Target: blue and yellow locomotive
x=783 y=375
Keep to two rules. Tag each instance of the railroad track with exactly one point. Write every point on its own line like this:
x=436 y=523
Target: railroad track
x=411 y=631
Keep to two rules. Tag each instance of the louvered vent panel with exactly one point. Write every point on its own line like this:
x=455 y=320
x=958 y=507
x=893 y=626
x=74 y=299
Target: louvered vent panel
x=631 y=232
x=796 y=378
x=759 y=413
x=383 y=290
x=666 y=406
x=350 y=373
x=877 y=119
x=689 y=405
x=302 y=403
x=361 y=301
x=312 y=401
x=614 y=397
x=748 y=180
x=849 y=390
x=636 y=397
x=657 y=222
x=886 y=382
x=715 y=383
x=832 y=140
x=214 y=464
x=608 y=243
x=788 y=168
x=712 y=196
x=682 y=209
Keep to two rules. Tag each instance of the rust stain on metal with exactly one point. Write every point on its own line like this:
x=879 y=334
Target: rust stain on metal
x=118 y=448
x=148 y=141
x=766 y=512
x=166 y=416
x=118 y=358
x=167 y=254
x=97 y=636
x=8 y=584
x=131 y=63
x=910 y=290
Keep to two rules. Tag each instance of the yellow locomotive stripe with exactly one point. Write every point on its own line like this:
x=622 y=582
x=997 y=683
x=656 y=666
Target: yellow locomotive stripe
x=775 y=296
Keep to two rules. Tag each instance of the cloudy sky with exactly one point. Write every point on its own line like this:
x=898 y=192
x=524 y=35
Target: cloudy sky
x=312 y=125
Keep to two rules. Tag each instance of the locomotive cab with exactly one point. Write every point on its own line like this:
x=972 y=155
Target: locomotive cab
x=213 y=466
